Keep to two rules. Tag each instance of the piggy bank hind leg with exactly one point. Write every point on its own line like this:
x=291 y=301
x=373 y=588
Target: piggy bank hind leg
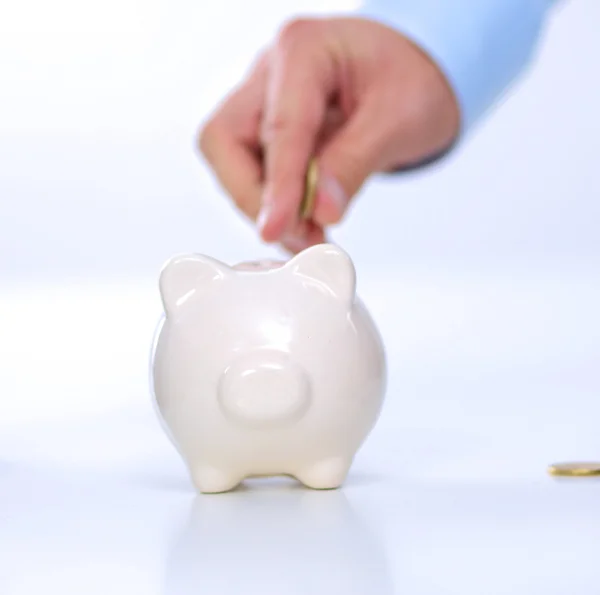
x=213 y=480
x=325 y=474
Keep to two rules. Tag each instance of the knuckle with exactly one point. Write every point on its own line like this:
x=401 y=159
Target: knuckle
x=355 y=162
x=296 y=31
x=285 y=121
x=206 y=138
x=276 y=125
x=247 y=204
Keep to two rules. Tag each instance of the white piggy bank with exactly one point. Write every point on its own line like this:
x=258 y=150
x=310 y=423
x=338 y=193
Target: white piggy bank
x=266 y=369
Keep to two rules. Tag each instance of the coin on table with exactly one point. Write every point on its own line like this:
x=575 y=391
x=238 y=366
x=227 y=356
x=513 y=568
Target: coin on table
x=310 y=190
x=575 y=469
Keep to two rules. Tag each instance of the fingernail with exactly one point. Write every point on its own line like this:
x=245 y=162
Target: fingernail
x=332 y=188
x=263 y=216
x=294 y=243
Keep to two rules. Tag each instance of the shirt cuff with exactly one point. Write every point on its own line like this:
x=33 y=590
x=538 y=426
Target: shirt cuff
x=481 y=46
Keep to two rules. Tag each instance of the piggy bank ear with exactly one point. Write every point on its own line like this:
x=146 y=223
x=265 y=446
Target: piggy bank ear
x=329 y=266
x=186 y=276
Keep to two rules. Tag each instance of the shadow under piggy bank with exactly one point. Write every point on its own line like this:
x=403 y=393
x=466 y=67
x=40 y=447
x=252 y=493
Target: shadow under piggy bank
x=272 y=540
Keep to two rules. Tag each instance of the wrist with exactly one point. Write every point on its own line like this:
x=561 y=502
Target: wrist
x=480 y=46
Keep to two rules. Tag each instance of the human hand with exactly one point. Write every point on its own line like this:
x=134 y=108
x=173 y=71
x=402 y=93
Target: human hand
x=354 y=93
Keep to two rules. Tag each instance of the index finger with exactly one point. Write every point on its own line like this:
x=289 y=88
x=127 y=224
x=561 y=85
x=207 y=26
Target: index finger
x=300 y=84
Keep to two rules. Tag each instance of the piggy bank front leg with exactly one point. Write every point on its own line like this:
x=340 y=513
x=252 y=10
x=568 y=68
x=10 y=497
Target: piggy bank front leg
x=326 y=474
x=214 y=480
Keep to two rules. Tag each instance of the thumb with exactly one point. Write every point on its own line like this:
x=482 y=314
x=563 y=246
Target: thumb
x=354 y=153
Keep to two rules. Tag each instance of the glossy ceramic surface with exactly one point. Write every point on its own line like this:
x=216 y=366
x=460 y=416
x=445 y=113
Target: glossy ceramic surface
x=267 y=368
x=497 y=378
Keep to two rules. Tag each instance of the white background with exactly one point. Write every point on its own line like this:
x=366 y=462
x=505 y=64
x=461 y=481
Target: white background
x=482 y=274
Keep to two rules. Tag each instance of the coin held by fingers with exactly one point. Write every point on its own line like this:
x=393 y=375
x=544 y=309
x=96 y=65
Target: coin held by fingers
x=305 y=231
x=310 y=190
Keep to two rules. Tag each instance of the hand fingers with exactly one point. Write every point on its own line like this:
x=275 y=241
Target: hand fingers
x=306 y=234
x=238 y=171
x=230 y=143
x=358 y=149
x=301 y=82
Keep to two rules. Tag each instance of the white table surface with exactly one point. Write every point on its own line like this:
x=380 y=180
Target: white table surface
x=490 y=381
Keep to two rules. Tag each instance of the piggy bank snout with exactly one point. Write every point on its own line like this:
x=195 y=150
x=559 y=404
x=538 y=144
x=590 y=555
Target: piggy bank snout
x=264 y=388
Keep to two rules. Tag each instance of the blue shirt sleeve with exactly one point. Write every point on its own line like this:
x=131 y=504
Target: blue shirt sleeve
x=480 y=45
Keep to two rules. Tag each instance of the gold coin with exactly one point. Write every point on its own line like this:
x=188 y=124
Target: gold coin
x=310 y=190
x=575 y=469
